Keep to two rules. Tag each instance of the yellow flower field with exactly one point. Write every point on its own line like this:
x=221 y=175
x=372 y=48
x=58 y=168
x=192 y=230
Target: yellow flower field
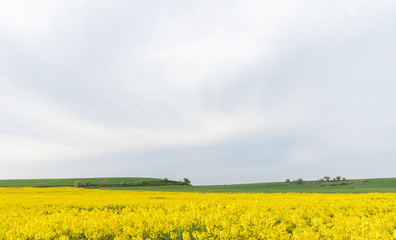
x=68 y=213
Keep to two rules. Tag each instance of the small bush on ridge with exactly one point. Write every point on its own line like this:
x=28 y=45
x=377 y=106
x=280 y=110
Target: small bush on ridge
x=78 y=184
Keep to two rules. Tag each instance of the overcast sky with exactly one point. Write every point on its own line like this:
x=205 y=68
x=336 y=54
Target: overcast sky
x=217 y=91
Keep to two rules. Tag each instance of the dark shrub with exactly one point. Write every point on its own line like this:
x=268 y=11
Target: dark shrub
x=42 y=185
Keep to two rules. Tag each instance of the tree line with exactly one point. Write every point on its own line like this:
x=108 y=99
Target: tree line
x=143 y=182
x=324 y=179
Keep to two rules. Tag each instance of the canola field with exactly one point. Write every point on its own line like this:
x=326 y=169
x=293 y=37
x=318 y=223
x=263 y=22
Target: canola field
x=69 y=213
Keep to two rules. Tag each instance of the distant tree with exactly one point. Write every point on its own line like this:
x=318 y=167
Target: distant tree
x=122 y=184
x=343 y=179
x=78 y=184
x=300 y=181
x=327 y=178
x=288 y=180
x=166 y=180
x=338 y=178
x=334 y=179
x=104 y=183
x=186 y=181
x=88 y=184
x=321 y=180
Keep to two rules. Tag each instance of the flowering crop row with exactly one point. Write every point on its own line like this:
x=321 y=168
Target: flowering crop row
x=68 y=213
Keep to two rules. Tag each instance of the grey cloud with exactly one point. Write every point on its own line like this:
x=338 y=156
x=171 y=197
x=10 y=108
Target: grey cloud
x=222 y=92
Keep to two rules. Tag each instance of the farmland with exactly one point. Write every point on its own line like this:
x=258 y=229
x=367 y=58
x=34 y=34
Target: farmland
x=173 y=211
x=69 y=182
x=77 y=213
x=383 y=185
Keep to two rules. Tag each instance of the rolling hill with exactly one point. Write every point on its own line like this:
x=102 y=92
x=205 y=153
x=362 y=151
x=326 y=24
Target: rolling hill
x=158 y=184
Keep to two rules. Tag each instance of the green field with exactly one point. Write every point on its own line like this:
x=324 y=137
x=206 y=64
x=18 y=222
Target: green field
x=69 y=182
x=348 y=186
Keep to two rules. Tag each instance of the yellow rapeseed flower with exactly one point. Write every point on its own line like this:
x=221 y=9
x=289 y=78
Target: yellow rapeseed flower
x=70 y=213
